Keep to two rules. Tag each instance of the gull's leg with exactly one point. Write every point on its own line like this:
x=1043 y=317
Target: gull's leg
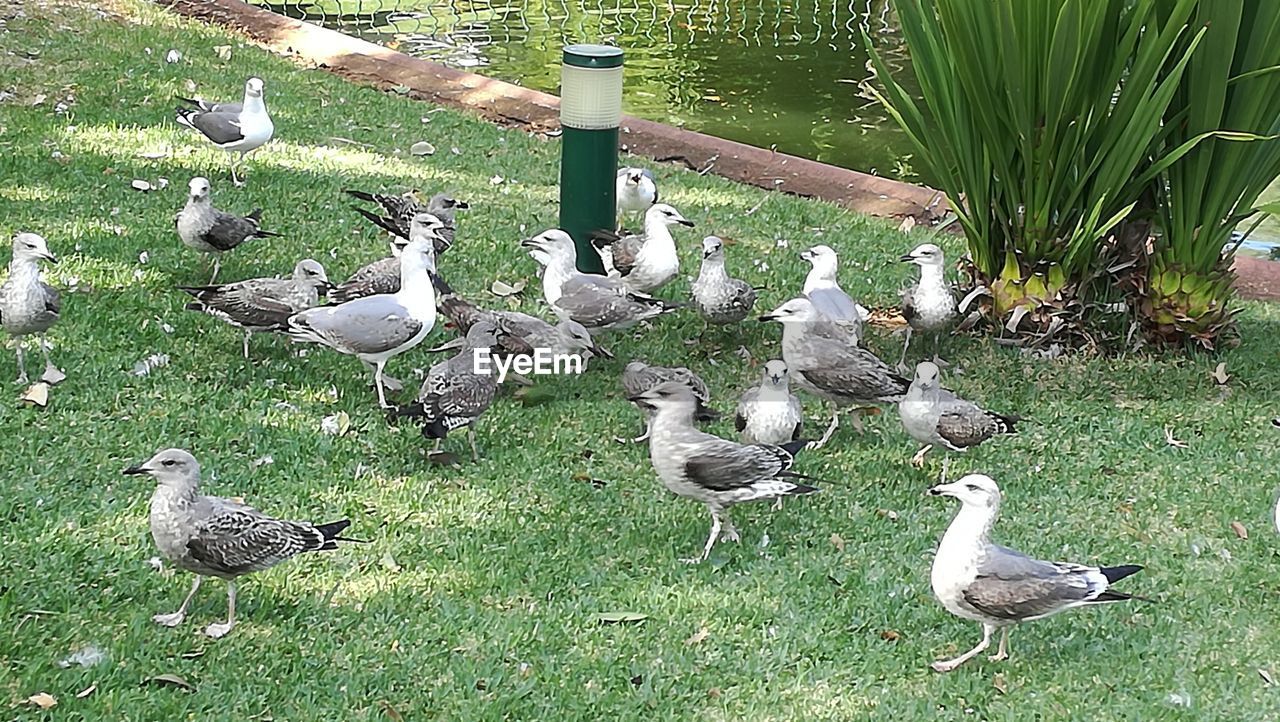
x=217 y=265
x=903 y=360
x=946 y=665
x=776 y=505
x=1003 y=652
x=390 y=383
x=52 y=374
x=246 y=343
x=471 y=436
x=435 y=449
x=173 y=620
x=235 y=163
x=730 y=532
x=711 y=538
x=918 y=460
x=831 y=430
x=377 y=383
x=945 y=459
x=857 y=420
x=218 y=630
x=22 y=368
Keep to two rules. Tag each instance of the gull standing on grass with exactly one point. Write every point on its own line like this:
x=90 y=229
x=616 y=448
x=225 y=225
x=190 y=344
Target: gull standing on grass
x=647 y=261
x=929 y=305
x=720 y=298
x=28 y=305
x=769 y=413
x=638 y=377
x=822 y=288
x=830 y=369
x=636 y=189
x=596 y=302
x=999 y=587
x=259 y=305
x=233 y=127
x=215 y=537
x=519 y=333
x=376 y=329
x=204 y=228
x=934 y=416
x=400 y=211
x=714 y=471
x=454 y=394
x=383 y=275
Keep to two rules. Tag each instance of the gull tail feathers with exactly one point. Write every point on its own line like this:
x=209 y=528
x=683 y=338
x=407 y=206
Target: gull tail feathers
x=382 y=223
x=331 y=534
x=184 y=115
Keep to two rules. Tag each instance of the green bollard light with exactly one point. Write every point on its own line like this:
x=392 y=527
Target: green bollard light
x=590 y=113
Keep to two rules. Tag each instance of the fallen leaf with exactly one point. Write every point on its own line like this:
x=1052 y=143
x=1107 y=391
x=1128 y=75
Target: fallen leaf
x=698 y=637
x=619 y=617
x=837 y=541
x=907 y=224
x=1175 y=443
x=422 y=147
x=53 y=375
x=84 y=657
x=714 y=693
x=496 y=180
x=337 y=425
x=1239 y=529
x=890 y=635
x=37 y=394
x=222 y=51
x=1266 y=677
x=998 y=682
x=443 y=458
x=86 y=691
x=170 y=680
x=1219 y=374
x=389 y=563
x=43 y=700
x=391 y=711
x=172 y=56
x=503 y=289
x=140 y=185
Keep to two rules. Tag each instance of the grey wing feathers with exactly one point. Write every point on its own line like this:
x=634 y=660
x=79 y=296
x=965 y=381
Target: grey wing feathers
x=221 y=127
x=854 y=374
x=254 y=303
x=834 y=304
x=381 y=276
x=908 y=296
x=1011 y=585
x=377 y=326
x=229 y=231
x=721 y=465
x=963 y=424
x=52 y=299
x=242 y=540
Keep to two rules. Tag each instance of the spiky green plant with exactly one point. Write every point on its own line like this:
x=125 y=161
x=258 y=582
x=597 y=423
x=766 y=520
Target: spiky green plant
x=1039 y=121
x=1232 y=86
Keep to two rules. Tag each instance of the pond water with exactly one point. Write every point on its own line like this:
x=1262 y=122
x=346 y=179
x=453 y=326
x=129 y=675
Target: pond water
x=781 y=73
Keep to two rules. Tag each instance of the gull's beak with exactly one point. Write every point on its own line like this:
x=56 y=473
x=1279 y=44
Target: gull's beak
x=49 y=257
x=806 y=256
x=136 y=470
x=907 y=258
x=943 y=490
x=531 y=243
x=685 y=222
x=463 y=205
x=768 y=317
x=327 y=285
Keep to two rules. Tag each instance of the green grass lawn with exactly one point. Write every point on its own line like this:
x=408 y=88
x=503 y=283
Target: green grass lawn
x=479 y=594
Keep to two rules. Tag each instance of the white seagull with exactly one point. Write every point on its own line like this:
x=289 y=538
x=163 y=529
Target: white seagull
x=376 y=329
x=204 y=228
x=999 y=587
x=822 y=288
x=636 y=189
x=935 y=416
x=929 y=305
x=28 y=305
x=233 y=127
x=646 y=261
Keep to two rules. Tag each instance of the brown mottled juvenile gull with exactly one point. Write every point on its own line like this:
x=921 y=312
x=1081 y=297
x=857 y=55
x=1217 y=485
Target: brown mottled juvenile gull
x=204 y=228
x=455 y=392
x=636 y=189
x=376 y=329
x=935 y=416
x=215 y=537
x=999 y=587
x=259 y=305
x=639 y=377
x=28 y=305
x=383 y=275
x=645 y=261
x=719 y=297
x=714 y=471
x=834 y=370
x=822 y=288
x=596 y=302
x=930 y=304
x=233 y=127
x=399 y=212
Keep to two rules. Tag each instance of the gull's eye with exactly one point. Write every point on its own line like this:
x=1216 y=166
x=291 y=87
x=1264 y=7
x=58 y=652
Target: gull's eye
x=168 y=462
x=971 y=487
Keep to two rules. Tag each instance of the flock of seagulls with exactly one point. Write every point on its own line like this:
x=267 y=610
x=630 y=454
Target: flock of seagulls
x=388 y=307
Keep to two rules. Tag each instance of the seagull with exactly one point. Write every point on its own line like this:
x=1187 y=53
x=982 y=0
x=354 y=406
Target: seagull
x=714 y=471
x=935 y=416
x=262 y=304
x=833 y=370
x=400 y=210
x=999 y=587
x=769 y=413
x=596 y=302
x=647 y=261
x=28 y=305
x=215 y=537
x=383 y=275
x=454 y=393
x=233 y=127
x=211 y=231
x=929 y=305
x=720 y=298
x=520 y=333
x=822 y=288
x=635 y=191
x=377 y=328
x=638 y=377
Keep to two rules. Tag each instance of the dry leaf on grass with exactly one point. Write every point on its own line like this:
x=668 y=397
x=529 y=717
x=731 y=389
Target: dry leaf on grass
x=43 y=700
x=1171 y=441
x=503 y=289
x=37 y=394
x=1219 y=374
x=170 y=680
x=698 y=637
x=1239 y=529
x=620 y=617
x=837 y=541
x=86 y=691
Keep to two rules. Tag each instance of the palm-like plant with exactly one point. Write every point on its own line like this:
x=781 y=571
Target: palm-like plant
x=1229 y=92
x=1040 y=120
